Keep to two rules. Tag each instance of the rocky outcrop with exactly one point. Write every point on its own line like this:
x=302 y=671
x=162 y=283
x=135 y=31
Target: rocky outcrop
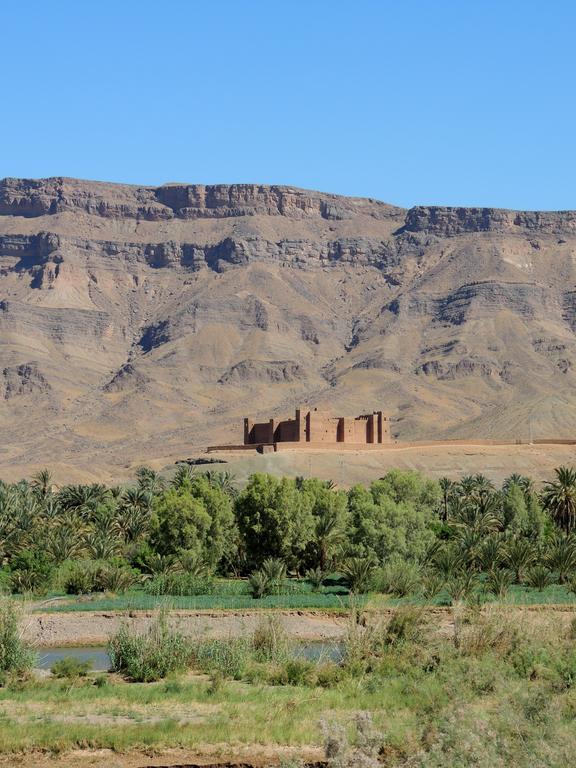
x=448 y=222
x=125 y=379
x=273 y=371
x=21 y=380
x=46 y=197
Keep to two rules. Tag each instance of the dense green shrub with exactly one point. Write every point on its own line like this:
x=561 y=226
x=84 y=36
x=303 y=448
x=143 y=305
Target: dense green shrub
x=86 y=576
x=150 y=655
x=196 y=517
x=16 y=656
x=400 y=578
x=180 y=584
x=30 y=571
x=229 y=657
x=70 y=667
x=275 y=520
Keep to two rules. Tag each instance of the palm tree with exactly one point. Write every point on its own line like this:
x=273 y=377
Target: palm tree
x=482 y=485
x=359 y=573
x=499 y=582
x=562 y=557
x=82 y=499
x=150 y=480
x=523 y=482
x=490 y=553
x=42 y=483
x=63 y=543
x=447 y=488
x=559 y=498
x=224 y=481
x=183 y=476
x=133 y=514
x=329 y=535
x=447 y=561
x=519 y=554
x=101 y=545
x=480 y=515
x=469 y=541
x=161 y=565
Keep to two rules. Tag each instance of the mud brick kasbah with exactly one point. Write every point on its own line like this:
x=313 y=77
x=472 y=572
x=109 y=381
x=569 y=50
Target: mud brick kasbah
x=314 y=428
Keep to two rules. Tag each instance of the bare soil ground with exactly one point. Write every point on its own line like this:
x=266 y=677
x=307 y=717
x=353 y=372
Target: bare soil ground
x=349 y=467
x=208 y=756
x=94 y=628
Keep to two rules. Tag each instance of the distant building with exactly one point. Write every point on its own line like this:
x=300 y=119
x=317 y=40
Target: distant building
x=319 y=429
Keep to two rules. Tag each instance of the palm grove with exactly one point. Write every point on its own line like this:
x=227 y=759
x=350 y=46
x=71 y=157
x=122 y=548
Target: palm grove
x=404 y=534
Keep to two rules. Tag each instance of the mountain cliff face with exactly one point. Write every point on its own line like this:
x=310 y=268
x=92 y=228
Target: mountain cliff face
x=138 y=323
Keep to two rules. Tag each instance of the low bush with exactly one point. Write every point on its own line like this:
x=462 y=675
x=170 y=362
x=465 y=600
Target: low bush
x=16 y=656
x=30 y=571
x=405 y=625
x=229 y=658
x=399 y=578
x=84 y=577
x=270 y=640
x=181 y=584
x=294 y=672
x=150 y=655
x=70 y=667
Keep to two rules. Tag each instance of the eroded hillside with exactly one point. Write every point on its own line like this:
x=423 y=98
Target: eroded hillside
x=138 y=323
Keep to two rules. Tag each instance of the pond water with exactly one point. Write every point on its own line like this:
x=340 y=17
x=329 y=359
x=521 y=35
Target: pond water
x=97 y=656
x=100 y=661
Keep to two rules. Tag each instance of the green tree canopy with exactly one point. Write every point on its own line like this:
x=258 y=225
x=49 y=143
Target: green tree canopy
x=194 y=517
x=275 y=520
x=392 y=519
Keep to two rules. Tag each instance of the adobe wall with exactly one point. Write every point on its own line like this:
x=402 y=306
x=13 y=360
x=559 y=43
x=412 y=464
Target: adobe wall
x=258 y=432
x=321 y=428
x=287 y=431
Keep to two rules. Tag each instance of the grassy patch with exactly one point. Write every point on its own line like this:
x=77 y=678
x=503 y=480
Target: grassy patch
x=492 y=693
x=331 y=598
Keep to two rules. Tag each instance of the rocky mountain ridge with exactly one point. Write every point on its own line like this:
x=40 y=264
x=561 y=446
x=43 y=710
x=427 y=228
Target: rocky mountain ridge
x=138 y=323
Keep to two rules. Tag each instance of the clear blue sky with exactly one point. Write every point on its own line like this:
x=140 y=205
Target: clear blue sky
x=462 y=102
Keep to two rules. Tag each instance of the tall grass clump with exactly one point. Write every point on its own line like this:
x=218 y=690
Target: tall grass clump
x=235 y=657
x=228 y=658
x=400 y=578
x=365 y=642
x=149 y=655
x=16 y=656
x=181 y=584
x=270 y=641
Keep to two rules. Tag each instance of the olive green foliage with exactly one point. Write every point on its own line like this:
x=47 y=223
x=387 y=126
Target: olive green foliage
x=404 y=534
x=392 y=518
x=70 y=667
x=275 y=520
x=16 y=656
x=149 y=655
x=196 y=517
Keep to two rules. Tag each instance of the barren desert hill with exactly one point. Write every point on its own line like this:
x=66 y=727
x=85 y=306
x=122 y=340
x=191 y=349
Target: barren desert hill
x=141 y=323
